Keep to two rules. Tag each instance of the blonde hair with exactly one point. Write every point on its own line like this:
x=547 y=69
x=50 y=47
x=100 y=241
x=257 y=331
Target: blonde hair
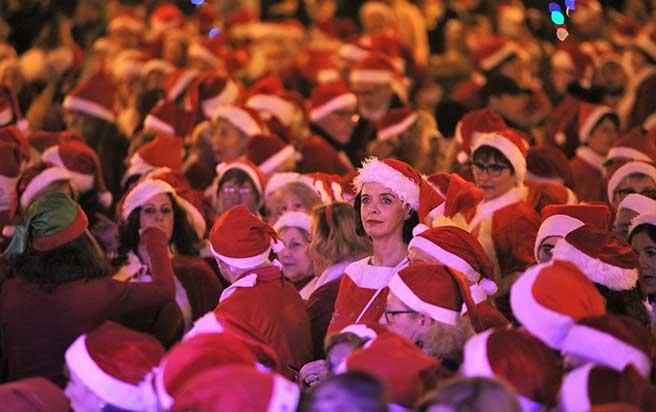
x=306 y=194
x=334 y=236
x=471 y=395
x=448 y=341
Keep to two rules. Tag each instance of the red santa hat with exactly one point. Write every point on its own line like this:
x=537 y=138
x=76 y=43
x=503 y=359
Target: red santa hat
x=128 y=64
x=40 y=140
x=243 y=118
x=170 y=119
x=637 y=203
x=36 y=178
x=246 y=166
x=461 y=198
x=83 y=165
x=613 y=341
x=646 y=41
x=572 y=59
x=212 y=90
x=549 y=298
x=177 y=82
x=33 y=395
x=93 y=96
x=405 y=371
x=112 y=360
x=407 y=183
x=634 y=145
x=389 y=45
x=139 y=194
x=517 y=357
x=328 y=98
x=14 y=135
x=237 y=388
x=241 y=239
x=321 y=66
x=589 y=117
x=353 y=52
x=458 y=249
x=375 y=68
x=157 y=65
x=162 y=151
x=511 y=144
x=547 y=163
x=591 y=386
x=560 y=220
x=604 y=257
x=627 y=169
x=494 y=52
x=195 y=356
x=285 y=107
x=435 y=290
x=648 y=218
x=327 y=186
x=395 y=122
x=165 y=16
x=474 y=123
x=300 y=220
x=208 y=50
x=10 y=166
x=128 y=22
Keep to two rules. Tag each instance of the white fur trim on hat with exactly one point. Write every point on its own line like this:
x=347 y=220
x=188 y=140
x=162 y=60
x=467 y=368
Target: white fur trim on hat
x=284 y=396
x=89 y=107
x=295 y=219
x=376 y=171
x=475 y=361
x=6 y=116
x=555 y=225
x=41 y=181
x=574 y=390
x=643 y=219
x=507 y=148
x=396 y=129
x=547 y=325
x=637 y=203
x=370 y=76
x=138 y=166
x=164 y=399
x=83 y=182
x=221 y=168
x=275 y=105
x=201 y=52
x=278 y=180
x=591 y=121
x=352 y=52
x=125 y=22
x=627 y=170
x=627 y=153
x=157 y=125
x=273 y=162
x=157 y=65
x=143 y=191
x=105 y=386
x=181 y=83
x=208 y=323
x=492 y=61
x=334 y=104
x=361 y=330
x=605 y=349
x=613 y=277
x=242 y=263
x=195 y=217
x=408 y=297
x=445 y=257
x=239 y=118
x=228 y=95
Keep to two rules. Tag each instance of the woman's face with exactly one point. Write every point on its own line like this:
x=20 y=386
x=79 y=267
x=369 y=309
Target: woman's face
x=295 y=259
x=290 y=203
x=546 y=247
x=228 y=143
x=603 y=136
x=232 y=194
x=381 y=211
x=494 y=178
x=158 y=212
x=82 y=398
x=645 y=248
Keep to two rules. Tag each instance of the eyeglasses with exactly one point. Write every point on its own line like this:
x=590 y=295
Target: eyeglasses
x=389 y=314
x=236 y=191
x=650 y=193
x=492 y=169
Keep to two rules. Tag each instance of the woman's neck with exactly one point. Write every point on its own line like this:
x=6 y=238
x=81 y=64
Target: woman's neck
x=389 y=251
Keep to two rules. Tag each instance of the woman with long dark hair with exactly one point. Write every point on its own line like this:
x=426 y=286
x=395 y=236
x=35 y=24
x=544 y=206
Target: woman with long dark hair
x=61 y=288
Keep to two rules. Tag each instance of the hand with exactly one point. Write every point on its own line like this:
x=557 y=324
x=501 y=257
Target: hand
x=313 y=373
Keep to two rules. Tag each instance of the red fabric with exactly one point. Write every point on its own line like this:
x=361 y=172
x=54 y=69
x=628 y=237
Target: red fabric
x=320 y=306
x=597 y=215
x=490 y=317
x=514 y=229
x=10 y=161
x=33 y=395
x=461 y=196
x=644 y=104
x=625 y=329
x=351 y=300
x=163 y=151
x=98 y=88
x=201 y=283
x=563 y=119
x=274 y=309
x=238 y=233
x=326 y=92
x=544 y=194
x=317 y=155
x=606 y=385
x=36 y=336
x=550 y=162
x=640 y=141
x=479 y=121
x=13 y=135
x=599 y=243
x=589 y=184
x=261 y=147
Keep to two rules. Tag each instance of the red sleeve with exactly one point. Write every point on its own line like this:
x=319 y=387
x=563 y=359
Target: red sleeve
x=199 y=281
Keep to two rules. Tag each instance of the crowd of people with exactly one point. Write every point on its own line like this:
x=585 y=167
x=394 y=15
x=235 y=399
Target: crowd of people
x=327 y=205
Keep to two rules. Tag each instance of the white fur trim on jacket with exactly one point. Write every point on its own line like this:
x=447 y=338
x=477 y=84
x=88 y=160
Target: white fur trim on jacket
x=600 y=347
x=402 y=291
x=41 y=181
x=445 y=257
x=626 y=170
x=547 y=325
x=334 y=104
x=555 y=225
x=613 y=277
x=375 y=171
x=285 y=395
x=396 y=129
x=507 y=148
x=105 y=386
x=300 y=220
x=239 y=118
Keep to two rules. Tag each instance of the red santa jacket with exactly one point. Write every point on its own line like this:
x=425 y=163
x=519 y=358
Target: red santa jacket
x=362 y=293
x=488 y=314
x=640 y=98
x=541 y=194
x=272 y=307
x=587 y=171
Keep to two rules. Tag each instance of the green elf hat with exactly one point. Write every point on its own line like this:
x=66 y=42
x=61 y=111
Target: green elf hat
x=51 y=221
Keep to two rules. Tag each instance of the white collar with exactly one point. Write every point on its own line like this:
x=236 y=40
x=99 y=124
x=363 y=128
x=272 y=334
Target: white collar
x=328 y=275
x=368 y=276
x=590 y=157
x=487 y=208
